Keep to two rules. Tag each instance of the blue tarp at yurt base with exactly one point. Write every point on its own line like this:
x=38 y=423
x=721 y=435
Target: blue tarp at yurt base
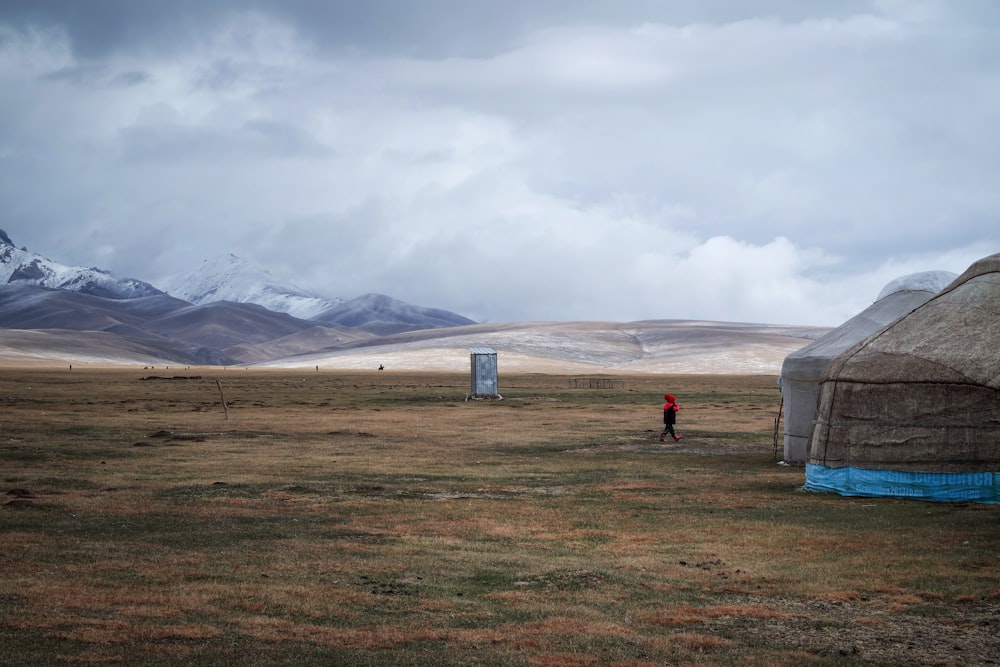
x=966 y=487
x=913 y=411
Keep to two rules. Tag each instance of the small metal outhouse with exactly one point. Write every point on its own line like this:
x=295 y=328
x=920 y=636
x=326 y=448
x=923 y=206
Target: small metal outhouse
x=484 y=373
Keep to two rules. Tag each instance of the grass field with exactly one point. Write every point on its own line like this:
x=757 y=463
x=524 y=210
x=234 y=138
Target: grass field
x=381 y=519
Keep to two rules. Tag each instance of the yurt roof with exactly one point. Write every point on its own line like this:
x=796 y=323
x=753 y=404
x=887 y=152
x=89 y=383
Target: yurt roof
x=925 y=281
x=897 y=298
x=954 y=337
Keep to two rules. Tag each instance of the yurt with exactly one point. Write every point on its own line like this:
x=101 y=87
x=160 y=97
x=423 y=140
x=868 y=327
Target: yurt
x=914 y=410
x=801 y=370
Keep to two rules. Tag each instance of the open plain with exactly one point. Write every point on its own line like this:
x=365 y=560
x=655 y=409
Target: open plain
x=228 y=516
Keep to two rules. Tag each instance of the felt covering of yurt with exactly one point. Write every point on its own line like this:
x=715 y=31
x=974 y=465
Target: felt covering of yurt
x=914 y=410
x=801 y=370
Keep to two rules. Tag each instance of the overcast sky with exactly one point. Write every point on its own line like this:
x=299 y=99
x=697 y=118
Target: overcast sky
x=769 y=161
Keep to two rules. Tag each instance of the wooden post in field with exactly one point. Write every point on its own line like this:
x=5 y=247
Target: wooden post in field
x=222 y=398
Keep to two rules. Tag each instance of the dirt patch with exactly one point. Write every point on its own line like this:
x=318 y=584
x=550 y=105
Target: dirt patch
x=709 y=445
x=875 y=631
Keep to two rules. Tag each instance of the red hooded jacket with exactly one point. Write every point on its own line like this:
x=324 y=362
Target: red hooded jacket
x=670 y=409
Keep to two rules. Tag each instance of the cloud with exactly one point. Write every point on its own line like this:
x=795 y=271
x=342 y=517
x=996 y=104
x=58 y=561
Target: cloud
x=754 y=161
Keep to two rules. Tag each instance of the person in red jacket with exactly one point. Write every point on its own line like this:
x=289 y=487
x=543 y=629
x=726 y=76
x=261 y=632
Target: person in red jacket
x=670 y=409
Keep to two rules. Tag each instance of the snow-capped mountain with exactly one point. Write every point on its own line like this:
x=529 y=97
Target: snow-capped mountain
x=19 y=266
x=168 y=328
x=226 y=303
x=231 y=278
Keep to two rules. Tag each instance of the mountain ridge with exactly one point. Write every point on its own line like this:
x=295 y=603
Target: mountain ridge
x=50 y=313
x=385 y=315
x=20 y=266
x=224 y=279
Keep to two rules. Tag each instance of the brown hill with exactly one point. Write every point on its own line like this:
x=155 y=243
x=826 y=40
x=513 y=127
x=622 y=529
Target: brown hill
x=665 y=346
x=47 y=327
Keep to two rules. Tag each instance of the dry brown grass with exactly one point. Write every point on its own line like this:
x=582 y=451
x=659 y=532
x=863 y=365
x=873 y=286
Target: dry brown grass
x=381 y=519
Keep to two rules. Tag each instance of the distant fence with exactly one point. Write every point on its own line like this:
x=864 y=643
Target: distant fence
x=596 y=383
